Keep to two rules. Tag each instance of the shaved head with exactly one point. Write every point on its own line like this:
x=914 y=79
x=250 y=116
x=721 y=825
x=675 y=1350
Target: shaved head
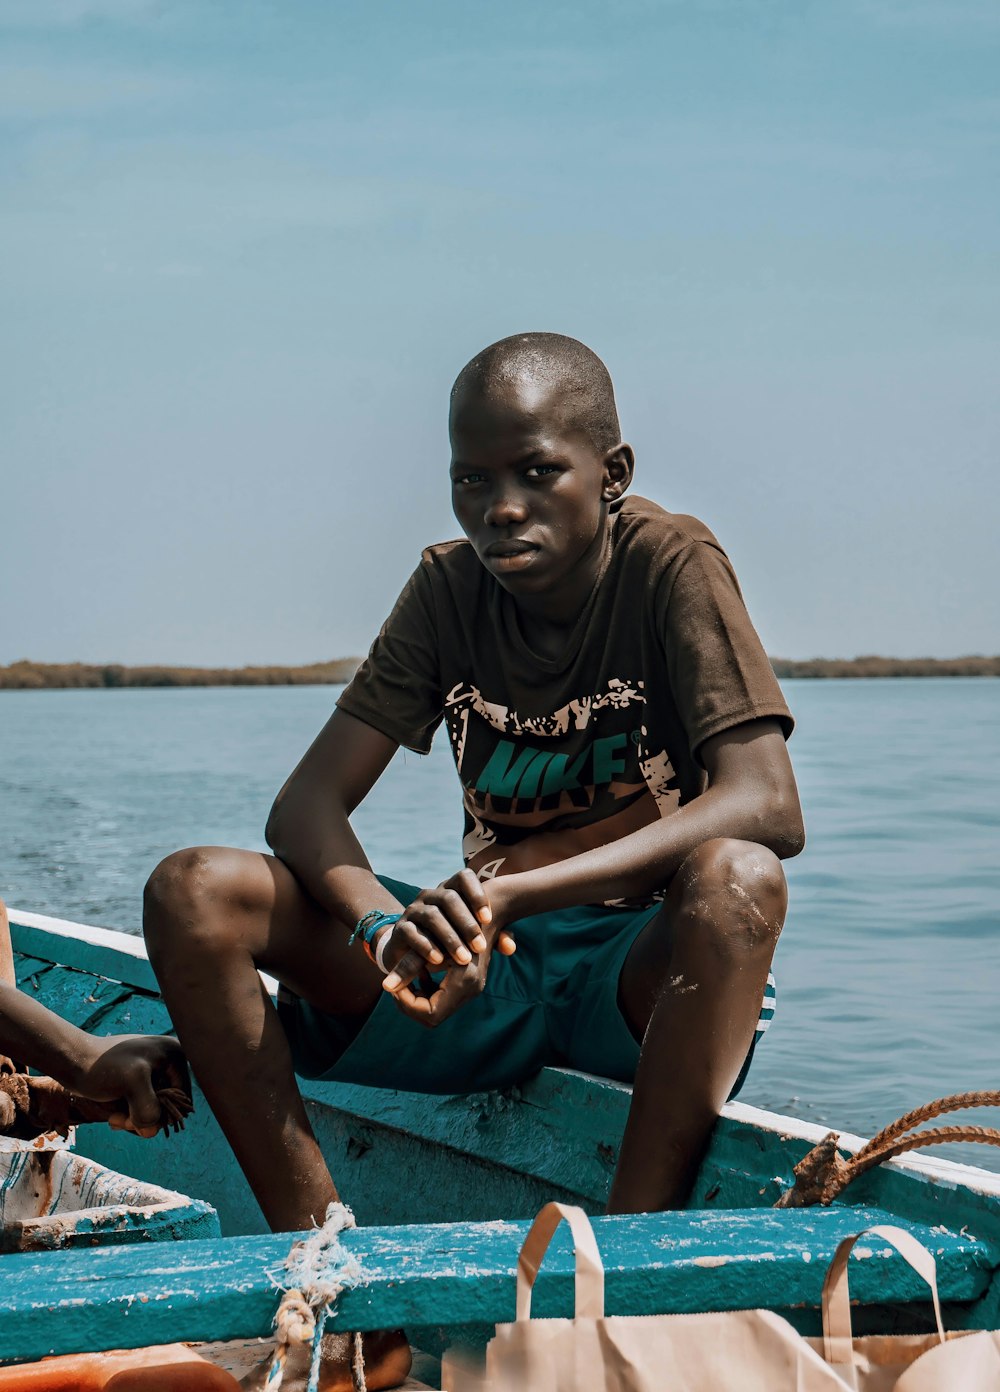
x=561 y=371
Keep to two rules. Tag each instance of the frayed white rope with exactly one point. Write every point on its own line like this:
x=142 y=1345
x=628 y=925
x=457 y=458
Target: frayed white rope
x=315 y=1272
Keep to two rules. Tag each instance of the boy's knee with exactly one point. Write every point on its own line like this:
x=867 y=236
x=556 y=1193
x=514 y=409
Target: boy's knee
x=736 y=892
x=183 y=894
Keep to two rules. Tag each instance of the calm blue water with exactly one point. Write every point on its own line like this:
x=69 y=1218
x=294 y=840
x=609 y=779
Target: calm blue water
x=889 y=968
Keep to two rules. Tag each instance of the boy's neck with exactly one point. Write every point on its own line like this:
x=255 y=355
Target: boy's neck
x=547 y=618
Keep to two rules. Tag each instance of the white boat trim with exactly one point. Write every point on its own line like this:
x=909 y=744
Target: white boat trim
x=113 y=938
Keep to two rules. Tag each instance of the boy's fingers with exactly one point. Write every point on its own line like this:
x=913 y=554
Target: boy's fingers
x=506 y=944
x=409 y=966
x=468 y=884
x=460 y=917
x=408 y=936
x=428 y=1010
x=173 y=1071
x=412 y=1004
x=144 y=1109
x=433 y=922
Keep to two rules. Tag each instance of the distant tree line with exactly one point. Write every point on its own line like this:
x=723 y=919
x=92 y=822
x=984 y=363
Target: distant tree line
x=36 y=676
x=888 y=667
x=28 y=676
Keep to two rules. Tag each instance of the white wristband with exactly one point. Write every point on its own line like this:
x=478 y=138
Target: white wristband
x=380 y=947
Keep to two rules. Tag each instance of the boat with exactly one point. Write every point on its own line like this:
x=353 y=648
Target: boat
x=439 y=1253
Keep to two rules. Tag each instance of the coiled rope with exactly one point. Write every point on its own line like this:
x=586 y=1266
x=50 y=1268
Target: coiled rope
x=315 y=1272
x=823 y=1174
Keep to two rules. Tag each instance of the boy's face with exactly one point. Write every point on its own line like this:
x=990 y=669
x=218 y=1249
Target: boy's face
x=530 y=491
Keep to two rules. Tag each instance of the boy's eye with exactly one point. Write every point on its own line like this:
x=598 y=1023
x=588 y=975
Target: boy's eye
x=466 y=478
x=540 y=470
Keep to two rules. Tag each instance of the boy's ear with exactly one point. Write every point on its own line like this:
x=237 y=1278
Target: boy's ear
x=619 y=465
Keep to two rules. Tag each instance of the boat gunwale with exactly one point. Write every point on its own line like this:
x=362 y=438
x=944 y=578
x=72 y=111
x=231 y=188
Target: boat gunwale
x=101 y=951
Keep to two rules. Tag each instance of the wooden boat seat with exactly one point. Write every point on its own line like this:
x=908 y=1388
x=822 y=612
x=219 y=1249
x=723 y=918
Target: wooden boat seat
x=462 y=1274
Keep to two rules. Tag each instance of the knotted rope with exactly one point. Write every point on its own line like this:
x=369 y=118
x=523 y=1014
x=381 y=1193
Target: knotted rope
x=824 y=1173
x=315 y=1272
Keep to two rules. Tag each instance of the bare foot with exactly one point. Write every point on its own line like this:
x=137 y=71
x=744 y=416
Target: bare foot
x=387 y=1360
x=387 y=1364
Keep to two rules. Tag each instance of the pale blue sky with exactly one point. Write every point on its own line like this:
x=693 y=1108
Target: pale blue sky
x=245 y=248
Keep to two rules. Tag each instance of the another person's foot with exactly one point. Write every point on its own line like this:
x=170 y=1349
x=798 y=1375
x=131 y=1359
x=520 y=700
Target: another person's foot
x=387 y=1361
x=387 y=1364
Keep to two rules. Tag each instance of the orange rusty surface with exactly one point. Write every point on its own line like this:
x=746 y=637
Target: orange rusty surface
x=166 y=1368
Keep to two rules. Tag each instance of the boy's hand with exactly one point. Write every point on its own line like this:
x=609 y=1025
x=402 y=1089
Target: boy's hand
x=131 y=1068
x=443 y=997
x=454 y=926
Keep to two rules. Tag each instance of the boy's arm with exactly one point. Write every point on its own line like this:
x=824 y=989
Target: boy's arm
x=309 y=830
x=309 y=827
x=751 y=796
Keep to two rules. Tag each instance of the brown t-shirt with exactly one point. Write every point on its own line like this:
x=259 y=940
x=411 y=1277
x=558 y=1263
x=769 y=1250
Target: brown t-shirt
x=600 y=740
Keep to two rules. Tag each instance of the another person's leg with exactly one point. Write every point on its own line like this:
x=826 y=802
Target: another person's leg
x=212 y=917
x=7 y=974
x=691 y=990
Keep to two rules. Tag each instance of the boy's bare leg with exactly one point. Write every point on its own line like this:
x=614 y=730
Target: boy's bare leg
x=212 y=917
x=691 y=989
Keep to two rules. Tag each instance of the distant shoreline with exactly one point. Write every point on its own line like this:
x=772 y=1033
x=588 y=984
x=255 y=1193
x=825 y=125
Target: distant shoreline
x=837 y=668
x=69 y=676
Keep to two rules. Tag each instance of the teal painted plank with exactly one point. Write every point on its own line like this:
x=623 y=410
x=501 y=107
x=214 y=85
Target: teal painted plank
x=27 y=967
x=101 y=960
x=462 y=1274
x=30 y=974
x=78 y=997
x=750 y=1166
x=563 y=1129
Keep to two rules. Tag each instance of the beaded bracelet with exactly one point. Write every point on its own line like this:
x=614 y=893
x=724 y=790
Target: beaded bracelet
x=369 y=924
x=366 y=928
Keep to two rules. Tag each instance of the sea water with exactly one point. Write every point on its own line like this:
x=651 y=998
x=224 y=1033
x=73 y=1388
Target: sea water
x=889 y=966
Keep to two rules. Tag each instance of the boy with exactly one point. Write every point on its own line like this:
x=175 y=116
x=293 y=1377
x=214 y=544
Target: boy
x=121 y=1073
x=620 y=739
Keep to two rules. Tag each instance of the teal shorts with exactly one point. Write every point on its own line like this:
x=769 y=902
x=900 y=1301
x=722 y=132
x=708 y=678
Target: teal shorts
x=555 y=1002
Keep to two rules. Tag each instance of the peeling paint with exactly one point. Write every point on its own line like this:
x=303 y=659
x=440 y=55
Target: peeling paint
x=56 y=1199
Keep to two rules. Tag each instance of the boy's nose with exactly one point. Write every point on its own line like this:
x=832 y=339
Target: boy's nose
x=505 y=511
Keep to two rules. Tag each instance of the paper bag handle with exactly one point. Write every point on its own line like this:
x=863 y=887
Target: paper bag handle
x=589 y=1267
x=838 y=1346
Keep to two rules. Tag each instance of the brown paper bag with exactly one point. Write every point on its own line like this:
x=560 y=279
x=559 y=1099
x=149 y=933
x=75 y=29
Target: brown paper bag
x=748 y=1350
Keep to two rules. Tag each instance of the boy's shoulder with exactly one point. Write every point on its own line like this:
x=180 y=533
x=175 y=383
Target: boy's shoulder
x=449 y=555
x=649 y=527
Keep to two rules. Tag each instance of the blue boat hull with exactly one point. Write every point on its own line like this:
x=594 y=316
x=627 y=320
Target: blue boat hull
x=491 y=1160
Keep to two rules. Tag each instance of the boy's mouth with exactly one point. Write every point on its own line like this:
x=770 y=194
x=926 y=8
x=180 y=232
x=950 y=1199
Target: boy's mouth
x=510 y=555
